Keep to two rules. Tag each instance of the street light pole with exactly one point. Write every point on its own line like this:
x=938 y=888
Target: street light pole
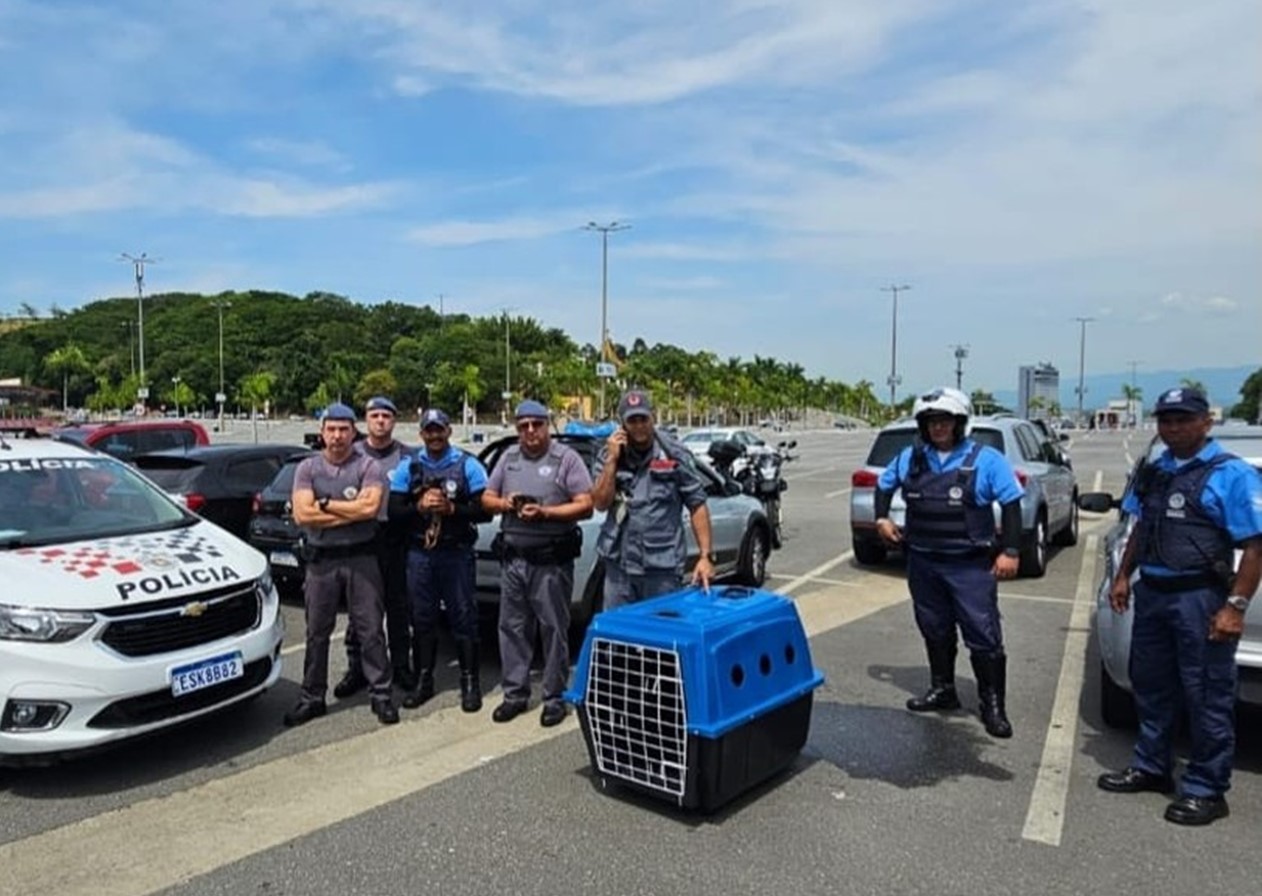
x=605 y=230
x=222 y=395
x=961 y=352
x=175 y=393
x=894 y=378
x=138 y=263
x=1082 y=356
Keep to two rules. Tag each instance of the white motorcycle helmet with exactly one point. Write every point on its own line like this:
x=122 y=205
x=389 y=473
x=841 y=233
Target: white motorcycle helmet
x=943 y=400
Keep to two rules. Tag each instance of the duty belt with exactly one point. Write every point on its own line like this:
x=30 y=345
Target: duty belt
x=318 y=553
x=1185 y=582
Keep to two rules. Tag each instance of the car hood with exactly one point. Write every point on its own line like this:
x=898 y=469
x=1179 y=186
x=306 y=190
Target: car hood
x=128 y=569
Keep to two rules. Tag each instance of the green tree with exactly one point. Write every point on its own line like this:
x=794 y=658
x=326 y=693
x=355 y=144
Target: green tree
x=1250 y=406
x=255 y=390
x=69 y=360
x=375 y=382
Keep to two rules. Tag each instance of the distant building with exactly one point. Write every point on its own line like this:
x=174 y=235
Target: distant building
x=1038 y=390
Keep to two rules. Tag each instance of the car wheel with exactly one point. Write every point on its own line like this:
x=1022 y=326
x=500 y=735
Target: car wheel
x=1034 y=553
x=752 y=570
x=1117 y=706
x=869 y=553
x=1068 y=536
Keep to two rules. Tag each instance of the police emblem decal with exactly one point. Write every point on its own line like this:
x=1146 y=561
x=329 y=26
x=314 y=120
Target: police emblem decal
x=350 y=492
x=545 y=471
x=1177 y=501
x=157 y=561
x=955 y=493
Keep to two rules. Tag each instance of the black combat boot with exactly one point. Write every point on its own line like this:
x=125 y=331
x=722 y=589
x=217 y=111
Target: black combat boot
x=426 y=659
x=941 y=694
x=470 y=685
x=992 y=685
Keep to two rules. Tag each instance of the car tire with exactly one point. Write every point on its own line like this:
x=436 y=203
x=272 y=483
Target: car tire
x=1117 y=706
x=752 y=569
x=1034 y=551
x=1068 y=536
x=869 y=553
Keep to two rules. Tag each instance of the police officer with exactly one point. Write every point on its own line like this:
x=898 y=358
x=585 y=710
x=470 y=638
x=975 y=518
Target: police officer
x=541 y=489
x=437 y=493
x=948 y=482
x=381 y=445
x=648 y=478
x=337 y=500
x=1194 y=504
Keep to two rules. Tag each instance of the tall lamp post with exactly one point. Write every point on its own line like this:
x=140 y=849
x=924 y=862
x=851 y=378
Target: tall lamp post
x=1082 y=360
x=961 y=352
x=604 y=230
x=175 y=393
x=894 y=378
x=138 y=263
x=222 y=395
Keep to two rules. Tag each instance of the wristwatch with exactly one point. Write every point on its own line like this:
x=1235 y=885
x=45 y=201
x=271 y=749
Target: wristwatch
x=712 y=557
x=1238 y=602
x=1011 y=552
x=324 y=503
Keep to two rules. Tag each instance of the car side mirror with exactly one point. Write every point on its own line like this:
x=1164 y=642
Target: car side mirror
x=1063 y=436
x=1097 y=502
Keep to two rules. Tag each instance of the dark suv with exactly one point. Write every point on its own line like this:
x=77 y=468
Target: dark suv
x=1049 y=509
x=272 y=528
x=218 y=482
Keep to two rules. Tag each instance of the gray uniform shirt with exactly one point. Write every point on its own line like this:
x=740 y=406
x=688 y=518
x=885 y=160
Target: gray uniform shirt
x=644 y=528
x=341 y=482
x=554 y=478
x=387 y=459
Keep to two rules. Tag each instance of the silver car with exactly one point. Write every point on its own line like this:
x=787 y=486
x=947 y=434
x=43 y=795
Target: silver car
x=1049 y=509
x=741 y=535
x=1113 y=630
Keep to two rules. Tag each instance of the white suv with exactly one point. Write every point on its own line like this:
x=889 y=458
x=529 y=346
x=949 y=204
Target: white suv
x=122 y=612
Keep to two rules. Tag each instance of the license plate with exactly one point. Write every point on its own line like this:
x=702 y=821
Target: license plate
x=284 y=558
x=206 y=673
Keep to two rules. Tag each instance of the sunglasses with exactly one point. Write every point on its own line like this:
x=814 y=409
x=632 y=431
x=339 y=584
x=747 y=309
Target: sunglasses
x=527 y=425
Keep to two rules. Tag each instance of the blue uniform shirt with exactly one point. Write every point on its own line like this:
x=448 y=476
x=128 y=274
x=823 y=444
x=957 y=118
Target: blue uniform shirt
x=474 y=472
x=1232 y=497
x=994 y=479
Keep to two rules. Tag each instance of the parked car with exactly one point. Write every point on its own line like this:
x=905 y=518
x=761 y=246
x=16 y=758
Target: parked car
x=1113 y=630
x=1049 y=509
x=122 y=612
x=272 y=529
x=128 y=438
x=741 y=535
x=699 y=440
x=218 y=482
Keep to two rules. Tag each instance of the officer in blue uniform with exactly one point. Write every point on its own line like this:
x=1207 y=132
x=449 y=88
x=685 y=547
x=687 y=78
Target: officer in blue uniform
x=437 y=492
x=645 y=479
x=949 y=482
x=1195 y=504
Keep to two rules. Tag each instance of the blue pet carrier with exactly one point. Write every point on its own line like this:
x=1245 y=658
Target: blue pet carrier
x=694 y=697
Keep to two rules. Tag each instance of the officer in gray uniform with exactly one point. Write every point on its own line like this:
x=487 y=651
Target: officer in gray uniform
x=337 y=501
x=541 y=489
x=645 y=480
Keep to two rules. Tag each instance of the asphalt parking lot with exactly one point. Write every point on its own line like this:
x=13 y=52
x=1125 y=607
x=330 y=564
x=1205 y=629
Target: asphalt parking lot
x=881 y=801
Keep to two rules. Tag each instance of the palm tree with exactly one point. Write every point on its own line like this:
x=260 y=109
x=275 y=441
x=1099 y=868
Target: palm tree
x=1134 y=401
x=68 y=360
x=255 y=390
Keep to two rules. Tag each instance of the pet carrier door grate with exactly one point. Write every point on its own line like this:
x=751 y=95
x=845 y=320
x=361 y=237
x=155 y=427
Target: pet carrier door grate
x=637 y=716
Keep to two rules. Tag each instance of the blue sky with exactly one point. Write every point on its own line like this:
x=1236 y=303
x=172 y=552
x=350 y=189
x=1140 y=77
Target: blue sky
x=1018 y=164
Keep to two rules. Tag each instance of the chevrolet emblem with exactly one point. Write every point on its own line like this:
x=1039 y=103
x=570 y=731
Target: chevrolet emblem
x=194 y=609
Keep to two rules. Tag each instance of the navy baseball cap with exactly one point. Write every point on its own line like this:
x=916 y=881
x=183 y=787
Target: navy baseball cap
x=635 y=403
x=1182 y=400
x=381 y=403
x=531 y=408
x=435 y=417
x=338 y=411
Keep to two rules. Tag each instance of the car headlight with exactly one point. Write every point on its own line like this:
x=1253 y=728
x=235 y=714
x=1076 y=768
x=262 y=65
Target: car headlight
x=34 y=624
x=263 y=585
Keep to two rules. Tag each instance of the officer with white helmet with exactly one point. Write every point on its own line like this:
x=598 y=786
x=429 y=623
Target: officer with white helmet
x=954 y=556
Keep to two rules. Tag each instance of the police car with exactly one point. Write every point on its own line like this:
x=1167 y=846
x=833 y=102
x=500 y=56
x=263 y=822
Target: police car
x=122 y=612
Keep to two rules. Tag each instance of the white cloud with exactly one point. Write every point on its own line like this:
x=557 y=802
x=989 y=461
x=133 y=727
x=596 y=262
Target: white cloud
x=311 y=153
x=469 y=233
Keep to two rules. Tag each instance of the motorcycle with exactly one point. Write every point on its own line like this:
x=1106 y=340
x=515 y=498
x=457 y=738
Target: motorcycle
x=759 y=475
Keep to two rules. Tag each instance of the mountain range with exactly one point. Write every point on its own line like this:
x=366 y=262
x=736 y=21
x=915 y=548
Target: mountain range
x=1222 y=385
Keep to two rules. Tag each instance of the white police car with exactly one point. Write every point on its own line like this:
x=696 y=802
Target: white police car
x=121 y=612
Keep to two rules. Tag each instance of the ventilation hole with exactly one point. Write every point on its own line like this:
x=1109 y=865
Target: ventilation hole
x=789 y=654
x=738 y=675
x=668 y=614
x=764 y=664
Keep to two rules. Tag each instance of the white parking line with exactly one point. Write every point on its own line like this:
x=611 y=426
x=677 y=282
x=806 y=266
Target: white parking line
x=1045 y=819
x=820 y=580
x=838 y=493
x=1098 y=482
x=817 y=571
x=302 y=645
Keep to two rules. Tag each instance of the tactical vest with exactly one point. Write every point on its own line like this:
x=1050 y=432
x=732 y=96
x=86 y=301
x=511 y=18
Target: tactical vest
x=538 y=477
x=1176 y=531
x=341 y=482
x=452 y=480
x=942 y=510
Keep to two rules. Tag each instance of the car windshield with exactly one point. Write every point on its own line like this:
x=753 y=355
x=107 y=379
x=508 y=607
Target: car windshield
x=699 y=438
x=284 y=481
x=889 y=444
x=60 y=500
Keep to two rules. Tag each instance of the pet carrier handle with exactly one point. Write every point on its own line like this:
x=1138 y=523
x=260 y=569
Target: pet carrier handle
x=736 y=592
